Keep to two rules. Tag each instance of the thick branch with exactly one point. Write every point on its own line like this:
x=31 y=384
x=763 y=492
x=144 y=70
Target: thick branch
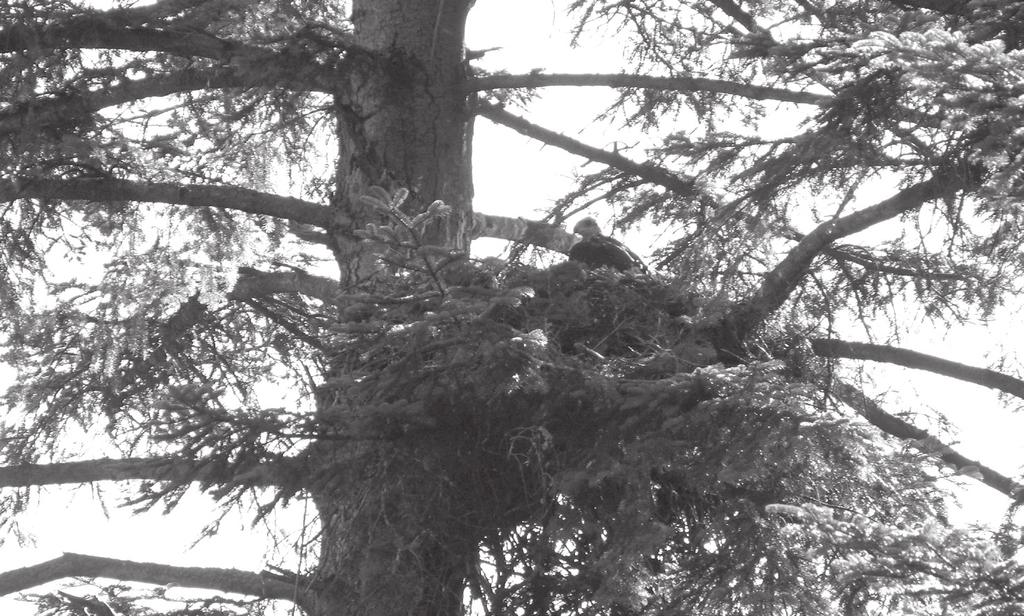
x=149 y=12
x=520 y=230
x=253 y=283
x=105 y=469
x=786 y=276
x=228 y=197
x=97 y=31
x=49 y=111
x=264 y=585
x=861 y=257
x=676 y=84
x=919 y=361
x=734 y=10
x=890 y=424
x=252 y=63
x=108 y=469
x=949 y=7
x=682 y=185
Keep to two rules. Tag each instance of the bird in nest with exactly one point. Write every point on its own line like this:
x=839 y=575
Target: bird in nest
x=598 y=250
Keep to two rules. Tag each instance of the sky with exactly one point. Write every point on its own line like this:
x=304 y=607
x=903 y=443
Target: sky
x=517 y=177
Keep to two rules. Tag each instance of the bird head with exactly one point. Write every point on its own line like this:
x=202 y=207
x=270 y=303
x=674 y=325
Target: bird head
x=587 y=227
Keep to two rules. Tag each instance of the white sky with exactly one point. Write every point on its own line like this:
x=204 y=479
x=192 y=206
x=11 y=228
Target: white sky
x=515 y=177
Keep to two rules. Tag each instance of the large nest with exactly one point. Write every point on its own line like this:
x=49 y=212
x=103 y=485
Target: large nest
x=580 y=418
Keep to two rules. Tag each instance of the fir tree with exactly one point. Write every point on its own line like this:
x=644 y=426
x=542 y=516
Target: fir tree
x=281 y=195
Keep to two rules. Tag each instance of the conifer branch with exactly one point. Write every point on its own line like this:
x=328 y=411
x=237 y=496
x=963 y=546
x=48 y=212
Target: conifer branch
x=110 y=469
x=648 y=82
x=253 y=64
x=227 y=197
x=782 y=280
x=265 y=585
x=860 y=256
x=919 y=361
x=47 y=111
x=873 y=264
x=256 y=202
x=99 y=31
x=652 y=173
x=922 y=440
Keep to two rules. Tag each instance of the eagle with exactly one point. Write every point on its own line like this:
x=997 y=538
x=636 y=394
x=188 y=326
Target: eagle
x=597 y=250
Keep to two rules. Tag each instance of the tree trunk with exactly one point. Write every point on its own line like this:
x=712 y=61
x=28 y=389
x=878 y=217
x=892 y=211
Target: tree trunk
x=393 y=540
x=388 y=544
x=407 y=122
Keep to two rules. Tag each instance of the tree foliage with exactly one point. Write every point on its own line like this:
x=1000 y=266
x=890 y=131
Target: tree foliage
x=208 y=200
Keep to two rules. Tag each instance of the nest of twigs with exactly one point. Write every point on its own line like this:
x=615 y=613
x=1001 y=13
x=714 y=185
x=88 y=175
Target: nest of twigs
x=582 y=416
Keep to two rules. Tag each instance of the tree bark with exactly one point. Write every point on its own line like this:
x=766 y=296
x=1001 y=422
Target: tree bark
x=405 y=122
x=391 y=541
x=388 y=545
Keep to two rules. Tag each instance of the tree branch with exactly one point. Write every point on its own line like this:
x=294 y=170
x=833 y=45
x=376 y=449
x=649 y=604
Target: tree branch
x=734 y=10
x=657 y=175
x=531 y=232
x=892 y=425
x=786 y=276
x=948 y=7
x=253 y=283
x=256 y=202
x=58 y=109
x=149 y=12
x=264 y=585
x=919 y=361
x=251 y=63
x=676 y=84
x=227 y=197
x=871 y=263
x=109 y=469
x=98 y=31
